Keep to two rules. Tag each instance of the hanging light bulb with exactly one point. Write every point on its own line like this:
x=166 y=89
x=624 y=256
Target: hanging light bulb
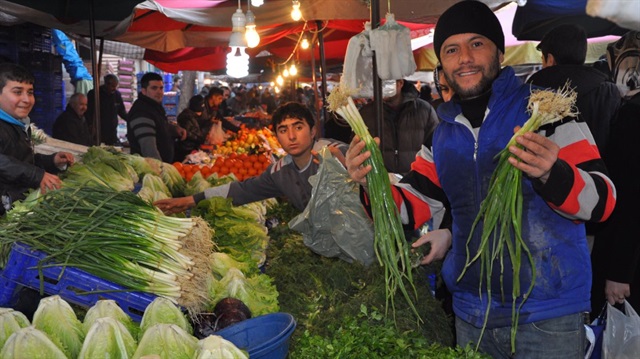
x=237 y=62
x=285 y=72
x=305 y=43
x=257 y=3
x=279 y=80
x=251 y=35
x=238 y=21
x=293 y=70
x=237 y=58
x=295 y=11
x=272 y=83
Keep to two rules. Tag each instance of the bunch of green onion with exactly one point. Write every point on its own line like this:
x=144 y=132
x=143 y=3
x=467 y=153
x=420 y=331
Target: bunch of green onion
x=390 y=245
x=501 y=210
x=114 y=235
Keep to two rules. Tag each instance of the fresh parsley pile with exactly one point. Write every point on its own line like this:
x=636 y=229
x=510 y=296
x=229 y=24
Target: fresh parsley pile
x=339 y=306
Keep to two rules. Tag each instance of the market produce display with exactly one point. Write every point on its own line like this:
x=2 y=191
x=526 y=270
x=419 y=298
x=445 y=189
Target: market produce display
x=339 y=306
x=117 y=236
x=244 y=154
x=56 y=332
x=249 y=271
x=110 y=229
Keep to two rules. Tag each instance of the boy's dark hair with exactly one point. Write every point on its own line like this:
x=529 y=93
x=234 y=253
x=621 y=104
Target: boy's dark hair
x=292 y=110
x=148 y=77
x=14 y=72
x=215 y=91
x=567 y=43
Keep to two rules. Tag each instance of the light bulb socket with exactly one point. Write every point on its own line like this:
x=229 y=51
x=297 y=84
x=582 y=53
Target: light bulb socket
x=237 y=39
x=238 y=20
x=250 y=18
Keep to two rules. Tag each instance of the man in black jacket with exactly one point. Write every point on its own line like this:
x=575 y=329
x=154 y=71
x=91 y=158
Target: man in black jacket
x=71 y=125
x=149 y=132
x=111 y=106
x=564 y=50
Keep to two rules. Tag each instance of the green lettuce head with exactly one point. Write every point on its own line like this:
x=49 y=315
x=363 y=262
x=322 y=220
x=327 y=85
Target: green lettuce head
x=30 y=343
x=58 y=321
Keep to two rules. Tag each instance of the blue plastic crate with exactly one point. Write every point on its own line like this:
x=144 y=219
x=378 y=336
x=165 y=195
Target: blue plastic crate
x=73 y=285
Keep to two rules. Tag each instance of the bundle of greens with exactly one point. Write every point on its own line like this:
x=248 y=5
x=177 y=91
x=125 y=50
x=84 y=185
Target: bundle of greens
x=163 y=311
x=153 y=189
x=214 y=347
x=197 y=184
x=237 y=232
x=97 y=174
x=118 y=237
x=96 y=155
x=257 y=292
x=501 y=210
x=390 y=244
x=30 y=342
x=10 y=322
x=326 y=296
x=106 y=308
x=167 y=341
x=56 y=318
x=107 y=338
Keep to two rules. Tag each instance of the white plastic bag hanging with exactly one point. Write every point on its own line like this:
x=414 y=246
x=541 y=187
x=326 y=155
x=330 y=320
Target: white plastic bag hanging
x=621 y=334
x=392 y=45
x=357 y=71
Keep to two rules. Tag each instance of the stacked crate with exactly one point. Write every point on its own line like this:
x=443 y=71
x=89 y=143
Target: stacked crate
x=127 y=84
x=170 y=103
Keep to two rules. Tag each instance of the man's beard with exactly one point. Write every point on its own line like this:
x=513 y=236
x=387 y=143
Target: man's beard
x=482 y=86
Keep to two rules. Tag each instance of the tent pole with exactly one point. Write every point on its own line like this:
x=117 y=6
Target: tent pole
x=323 y=65
x=96 y=73
x=314 y=80
x=377 y=83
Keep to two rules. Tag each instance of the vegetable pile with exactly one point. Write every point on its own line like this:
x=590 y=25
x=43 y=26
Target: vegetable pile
x=338 y=305
x=501 y=211
x=106 y=332
x=119 y=237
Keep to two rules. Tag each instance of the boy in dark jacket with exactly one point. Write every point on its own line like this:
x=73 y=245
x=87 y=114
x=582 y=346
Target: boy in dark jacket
x=20 y=168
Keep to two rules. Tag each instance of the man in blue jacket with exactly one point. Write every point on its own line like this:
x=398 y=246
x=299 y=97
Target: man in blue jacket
x=564 y=183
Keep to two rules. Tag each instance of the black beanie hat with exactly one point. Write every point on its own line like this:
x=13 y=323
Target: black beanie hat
x=196 y=103
x=468 y=17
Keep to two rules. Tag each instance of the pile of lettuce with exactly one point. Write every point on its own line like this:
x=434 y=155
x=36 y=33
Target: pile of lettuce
x=106 y=332
x=238 y=230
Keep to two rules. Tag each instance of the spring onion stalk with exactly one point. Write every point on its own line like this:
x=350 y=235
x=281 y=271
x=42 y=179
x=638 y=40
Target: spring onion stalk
x=116 y=236
x=501 y=210
x=390 y=245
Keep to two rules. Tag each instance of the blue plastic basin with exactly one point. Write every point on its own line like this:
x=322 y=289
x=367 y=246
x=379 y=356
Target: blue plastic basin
x=263 y=337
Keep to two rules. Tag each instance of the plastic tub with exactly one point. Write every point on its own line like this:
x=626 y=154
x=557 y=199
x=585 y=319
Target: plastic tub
x=263 y=337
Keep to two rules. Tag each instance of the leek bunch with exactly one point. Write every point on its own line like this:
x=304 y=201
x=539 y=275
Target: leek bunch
x=501 y=210
x=390 y=245
x=119 y=237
